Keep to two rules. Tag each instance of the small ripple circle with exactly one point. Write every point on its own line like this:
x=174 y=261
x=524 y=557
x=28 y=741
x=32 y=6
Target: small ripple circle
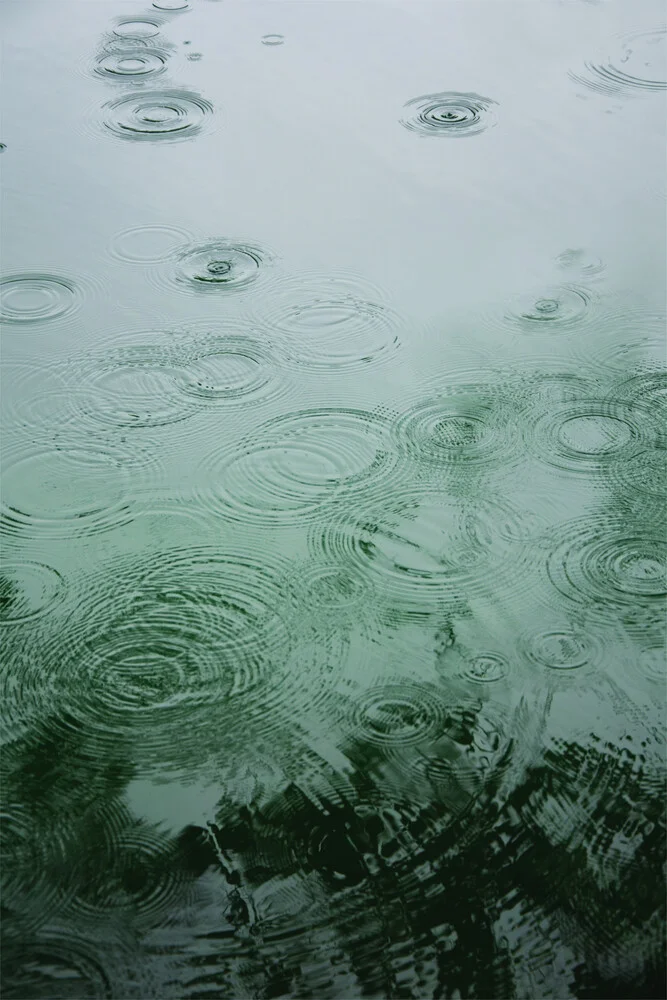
x=449 y=114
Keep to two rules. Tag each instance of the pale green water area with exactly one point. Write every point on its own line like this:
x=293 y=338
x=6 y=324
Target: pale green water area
x=333 y=530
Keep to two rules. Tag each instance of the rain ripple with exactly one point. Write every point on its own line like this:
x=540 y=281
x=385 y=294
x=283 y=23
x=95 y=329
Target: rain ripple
x=420 y=543
x=30 y=297
x=219 y=265
x=331 y=322
x=159 y=115
x=162 y=646
x=28 y=590
x=590 y=435
x=291 y=465
x=79 y=488
x=131 y=64
x=555 y=310
x=638 y=65
x=462 y=428
x=449 y=114
x=609 y=569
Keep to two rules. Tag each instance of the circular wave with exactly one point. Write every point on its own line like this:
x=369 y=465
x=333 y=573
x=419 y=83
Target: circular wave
x=329 y=590
x=293 y=464
x=136 y=28
x=31 y=854
x=647 y=389
x=219 y=265
x=398 y=714
x=128 y=872
x=643 y=475
x=34 y=297
x=589 y=435
x=132 y=387
x=223 y=369
x=486 y=668
x=581 y=264
x=449 y=114
x=465 y=427
x=158 y=115
x=421 y=543
x=80 y=488
x=132 y=64
x=28 y=590
x=57 y=968
x=336 y=321
x=171 y=4
x=608 y=568
x=160 y=647
x=147 y=244
x=555 y=310
x=637 y=65
x=273 y=39
x=561 y=648
x=623 y=344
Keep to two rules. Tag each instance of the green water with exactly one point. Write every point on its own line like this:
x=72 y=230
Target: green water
x=333 y=499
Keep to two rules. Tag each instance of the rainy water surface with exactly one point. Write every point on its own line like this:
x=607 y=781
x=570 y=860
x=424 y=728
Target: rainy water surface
x=333 y=531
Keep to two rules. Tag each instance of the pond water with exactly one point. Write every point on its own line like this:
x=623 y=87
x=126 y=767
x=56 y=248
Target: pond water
x=333 y=499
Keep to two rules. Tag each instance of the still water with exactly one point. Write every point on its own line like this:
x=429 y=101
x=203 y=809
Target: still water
x=333 y=482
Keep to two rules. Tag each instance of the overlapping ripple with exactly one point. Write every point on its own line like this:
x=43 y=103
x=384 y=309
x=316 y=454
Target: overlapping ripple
x=449 y=114
x=126 y=869
x=461 y=428
x=609 y=567
x=28 y=589
x=34 y=297
x=157 y=116
x=78 y=488
x=637 y=65
x=420 y=542
x=648 y=389
x=293 y=464
x=226 y=366
x=590 y=435
x=134 y=386
x=331 y=322
x=184 y=638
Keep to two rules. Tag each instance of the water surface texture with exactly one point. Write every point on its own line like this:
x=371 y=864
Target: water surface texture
x=332 y=523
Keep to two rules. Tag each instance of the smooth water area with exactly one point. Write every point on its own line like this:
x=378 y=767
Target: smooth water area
x=332 y=579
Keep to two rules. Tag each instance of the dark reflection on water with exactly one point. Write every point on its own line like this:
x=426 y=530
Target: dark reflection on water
x=333 y=620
